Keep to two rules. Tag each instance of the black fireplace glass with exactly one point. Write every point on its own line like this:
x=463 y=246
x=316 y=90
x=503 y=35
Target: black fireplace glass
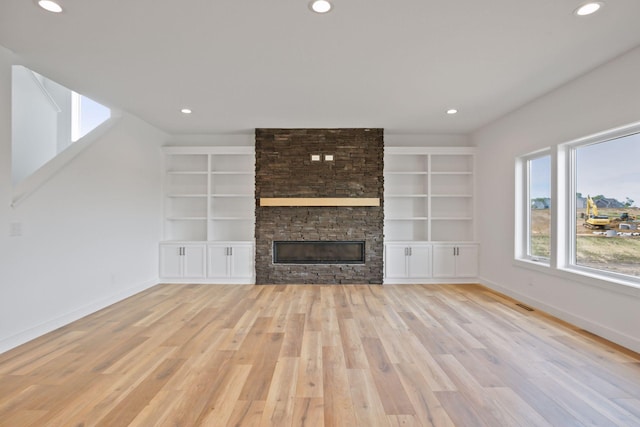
x=318 y=252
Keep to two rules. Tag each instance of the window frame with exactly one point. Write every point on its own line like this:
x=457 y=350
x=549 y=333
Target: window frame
x=27 y=185
x=563 y=213
x=567 y=170
x=523 y=208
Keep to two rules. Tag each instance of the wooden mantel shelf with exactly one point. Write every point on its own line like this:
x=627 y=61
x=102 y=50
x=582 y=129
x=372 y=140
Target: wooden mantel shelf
x=319 y=201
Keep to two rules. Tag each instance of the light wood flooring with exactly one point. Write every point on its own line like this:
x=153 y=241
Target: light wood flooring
x=313 y=355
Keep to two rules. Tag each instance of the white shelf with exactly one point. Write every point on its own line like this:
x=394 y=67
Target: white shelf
x=450 y=218
x=173 y=172
x=387 y=196
x=231 y=173
x=187 y=218
x=232 y=218
x=452 y=173
x=407 y=173
x=406 y=218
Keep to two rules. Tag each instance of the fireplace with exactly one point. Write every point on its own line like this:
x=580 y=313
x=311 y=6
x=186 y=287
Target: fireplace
x=318 y=252
x=313 y=239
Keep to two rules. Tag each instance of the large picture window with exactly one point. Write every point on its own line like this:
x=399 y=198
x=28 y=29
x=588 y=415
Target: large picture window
x=605 y=176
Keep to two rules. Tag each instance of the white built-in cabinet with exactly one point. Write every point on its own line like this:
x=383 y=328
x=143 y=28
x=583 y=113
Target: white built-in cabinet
x=230 y=260
x=407 y=260
x=455 y=261
x=429 y=203
x=209 y=202
x=183 y=260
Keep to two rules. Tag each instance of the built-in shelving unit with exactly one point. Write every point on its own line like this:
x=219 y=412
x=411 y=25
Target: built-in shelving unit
x=209 y=197
x=429 y=203
x=209 y=193
x=429 y=194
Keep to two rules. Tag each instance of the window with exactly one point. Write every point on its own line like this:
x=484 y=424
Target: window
x=577 y=207
x=86 y=115
x=47 y=118
x=604 y=175
x=534 y=225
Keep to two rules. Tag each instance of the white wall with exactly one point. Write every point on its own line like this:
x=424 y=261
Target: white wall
x=34 y=125
x=89 y=235
x=425 y=140
x=605 y=98
x=232 y=139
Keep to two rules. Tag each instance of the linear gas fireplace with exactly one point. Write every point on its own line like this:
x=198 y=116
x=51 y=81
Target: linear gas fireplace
x=318 y=252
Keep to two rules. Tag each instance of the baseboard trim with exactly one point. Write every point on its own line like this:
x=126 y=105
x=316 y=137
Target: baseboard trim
x=27 y=335
x=603 y=331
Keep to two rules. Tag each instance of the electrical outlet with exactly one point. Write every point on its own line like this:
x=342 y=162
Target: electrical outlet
x=15 y=229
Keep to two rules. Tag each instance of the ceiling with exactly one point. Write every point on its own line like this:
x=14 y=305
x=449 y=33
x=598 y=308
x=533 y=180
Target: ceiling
x=242 y=64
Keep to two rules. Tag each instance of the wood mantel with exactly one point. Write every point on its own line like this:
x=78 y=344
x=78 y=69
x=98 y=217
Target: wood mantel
x=319 y=201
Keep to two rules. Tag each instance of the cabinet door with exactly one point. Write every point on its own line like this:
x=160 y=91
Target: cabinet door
x=242 y=261
x=395 y=261
x=419 y=261
x=194 y=261
x=218 y=261
x=444 y=261
x=170 y=261
x=467 y=261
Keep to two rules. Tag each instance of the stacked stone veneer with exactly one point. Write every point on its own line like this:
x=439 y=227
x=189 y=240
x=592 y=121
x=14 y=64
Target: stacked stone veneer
x=284 y=169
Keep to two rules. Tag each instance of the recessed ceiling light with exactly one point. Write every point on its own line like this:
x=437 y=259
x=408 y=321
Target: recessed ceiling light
x=588 y=8
x=451 y=111
x=320 y=6
x=50 y=6
x=186 y=111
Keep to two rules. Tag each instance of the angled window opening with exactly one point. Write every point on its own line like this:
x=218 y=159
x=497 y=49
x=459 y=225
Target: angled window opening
x=47 y=118
x=50 y=125
x=86 y=115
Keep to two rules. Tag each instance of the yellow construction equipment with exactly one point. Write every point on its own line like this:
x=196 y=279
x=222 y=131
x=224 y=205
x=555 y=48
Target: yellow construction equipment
x=593 y=220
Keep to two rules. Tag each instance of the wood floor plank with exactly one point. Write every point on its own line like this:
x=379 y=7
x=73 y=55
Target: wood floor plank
x=319 y=355
x=220 y=410
x=338 y=406
x=140 y=397
x=521 y=413
x=293 y=335
x=246 y=413
x=280 y=401
x=308 y=412
x=428 y=409
x=367 y=406
x=394 y=398
x=310 y=378
x=354 y=355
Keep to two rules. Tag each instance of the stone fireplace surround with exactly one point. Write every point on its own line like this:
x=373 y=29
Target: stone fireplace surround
x=284 y=169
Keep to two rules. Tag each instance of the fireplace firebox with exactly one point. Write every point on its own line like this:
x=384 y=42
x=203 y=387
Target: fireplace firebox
x=318 y=252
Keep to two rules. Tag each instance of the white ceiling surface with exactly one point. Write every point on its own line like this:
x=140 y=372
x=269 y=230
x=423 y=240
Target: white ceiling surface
x=242 y=64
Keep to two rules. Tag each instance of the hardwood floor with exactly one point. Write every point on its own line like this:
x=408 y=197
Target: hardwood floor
x=314 y=355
